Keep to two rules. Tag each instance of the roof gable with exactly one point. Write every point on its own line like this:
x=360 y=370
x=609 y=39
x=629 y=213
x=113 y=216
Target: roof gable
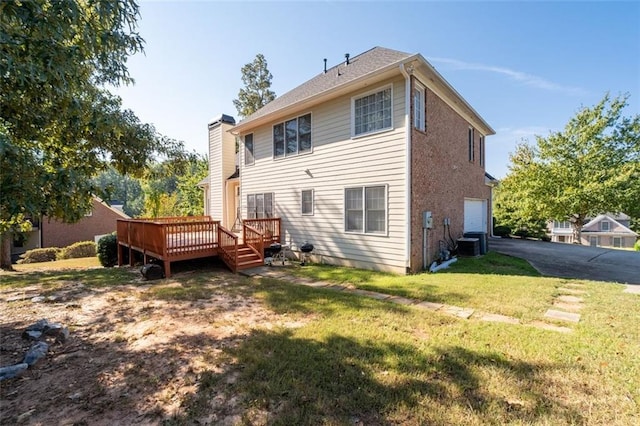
x=616 y=227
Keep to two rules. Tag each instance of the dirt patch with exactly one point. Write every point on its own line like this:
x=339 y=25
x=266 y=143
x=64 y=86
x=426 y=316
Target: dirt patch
x=135 y=354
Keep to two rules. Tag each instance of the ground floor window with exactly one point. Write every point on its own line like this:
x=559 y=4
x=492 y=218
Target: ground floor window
x=594 y=241
x=366 y=209
x=260 y=206
x=617 y=242
x=307 y=202
x=562 y=239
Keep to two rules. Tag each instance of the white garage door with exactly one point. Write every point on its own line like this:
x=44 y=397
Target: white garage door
x=475 y=215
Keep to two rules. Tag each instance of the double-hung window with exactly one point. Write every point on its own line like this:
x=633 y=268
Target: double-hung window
x=372 y=112
x=481 y=151
x=248 y=150
x=418 y=107
x=292 y=137
x=605 y=225
x=260 y=206
x=307 y=202
x=366 y=209
x=617 y=242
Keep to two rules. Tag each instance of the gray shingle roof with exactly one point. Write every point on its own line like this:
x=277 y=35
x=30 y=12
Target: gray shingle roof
x=341 y=74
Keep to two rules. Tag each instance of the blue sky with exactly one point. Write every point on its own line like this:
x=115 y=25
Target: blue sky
x=526 y=67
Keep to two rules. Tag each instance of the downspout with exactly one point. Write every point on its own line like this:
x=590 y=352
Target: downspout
x=407 y=121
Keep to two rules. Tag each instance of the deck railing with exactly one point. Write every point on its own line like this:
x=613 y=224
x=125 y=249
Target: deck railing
x=271 y=228
x=228 y=248
x=254 y=239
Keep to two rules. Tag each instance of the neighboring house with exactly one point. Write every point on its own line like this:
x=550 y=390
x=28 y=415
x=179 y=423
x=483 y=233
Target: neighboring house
x=606 y=230
x=353 y=159
x=49 y=232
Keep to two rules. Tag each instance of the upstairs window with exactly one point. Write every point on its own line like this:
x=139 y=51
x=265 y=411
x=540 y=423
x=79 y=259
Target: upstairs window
x=561 y=224
x=481 y=151
x=372 y=112
x=418 y=107
x=248 y=150
x=471 y=145
x=292 y=137
x=605 y=225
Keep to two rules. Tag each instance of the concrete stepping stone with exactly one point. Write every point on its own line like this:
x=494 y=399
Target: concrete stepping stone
x=567 y=306
x=550 y=327
x=562 y=316
x=314 y=283
x=499 y=318
x=574 y=285
x=368 y=293
x=430 y=305
x=459 y=312
x=401 y=300
x=569 y=299
x=571 y=291
x=633 y=289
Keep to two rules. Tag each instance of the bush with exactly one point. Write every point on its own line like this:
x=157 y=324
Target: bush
x=501 y=231
x=636 y=246
x=108 y=250
x=48 y=254
x=77 y=250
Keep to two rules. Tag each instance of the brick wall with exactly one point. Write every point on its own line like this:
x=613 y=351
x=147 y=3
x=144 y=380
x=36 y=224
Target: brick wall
x=442 y=176
x=102 y=221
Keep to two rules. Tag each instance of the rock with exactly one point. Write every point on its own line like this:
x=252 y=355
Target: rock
x=39 y=325
x=38 y=299
x=35 y=353
x=31 y=334
x=12 y=371
x=57 y=330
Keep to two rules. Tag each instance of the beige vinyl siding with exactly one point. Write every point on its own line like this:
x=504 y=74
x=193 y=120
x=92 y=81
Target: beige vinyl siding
x=336 y=162
x=221 y=166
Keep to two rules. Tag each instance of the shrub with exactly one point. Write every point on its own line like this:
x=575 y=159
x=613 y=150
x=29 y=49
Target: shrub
x=501 y=231
x=108 y=250
x=76 y=250
x=636 y=246
x=48 y=254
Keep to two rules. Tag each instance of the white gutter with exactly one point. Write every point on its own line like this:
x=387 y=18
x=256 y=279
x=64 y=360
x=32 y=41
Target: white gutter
x=407 y=121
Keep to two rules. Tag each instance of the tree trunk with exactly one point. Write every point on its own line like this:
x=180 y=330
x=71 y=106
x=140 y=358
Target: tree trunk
x=5 y=251
x=577 y=230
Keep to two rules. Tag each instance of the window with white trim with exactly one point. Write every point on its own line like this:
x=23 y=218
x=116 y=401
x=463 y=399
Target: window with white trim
x=372 y=112
x=248 y=150
x=605 y=225
x=292 y=137
x=260 y=206
x=471 y=144
x=562 y=225
x=481 y=151
x=617 y=242
x=306 y=201
x=366 y=209
x=418 y=107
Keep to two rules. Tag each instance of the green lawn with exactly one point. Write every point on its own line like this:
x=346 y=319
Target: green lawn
x=494 y=283
x=355 y=360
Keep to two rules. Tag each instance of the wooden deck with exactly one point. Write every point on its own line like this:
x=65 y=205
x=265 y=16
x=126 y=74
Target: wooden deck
x=172 y=239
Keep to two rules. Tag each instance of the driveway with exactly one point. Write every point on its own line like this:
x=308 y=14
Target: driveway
x=574 y=261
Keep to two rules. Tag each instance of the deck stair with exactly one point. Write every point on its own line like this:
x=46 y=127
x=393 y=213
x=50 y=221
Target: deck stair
x=248 y=258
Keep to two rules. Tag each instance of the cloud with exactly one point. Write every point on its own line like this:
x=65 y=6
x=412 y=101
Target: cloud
x=524 y=78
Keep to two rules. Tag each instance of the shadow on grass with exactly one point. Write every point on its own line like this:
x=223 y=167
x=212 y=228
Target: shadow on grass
x=97 y=277
x=281 y=379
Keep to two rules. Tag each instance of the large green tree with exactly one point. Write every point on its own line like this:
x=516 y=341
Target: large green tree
x=590 y=167
x=256 y=92
x=58 y=123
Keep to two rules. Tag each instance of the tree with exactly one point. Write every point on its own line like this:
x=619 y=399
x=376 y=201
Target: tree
x=590 y=167
x=190 y=197
x=257 y=83
x=58 y=123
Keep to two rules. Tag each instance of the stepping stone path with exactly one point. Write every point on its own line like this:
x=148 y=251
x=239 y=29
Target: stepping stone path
x=633 y=289
x=568 y=301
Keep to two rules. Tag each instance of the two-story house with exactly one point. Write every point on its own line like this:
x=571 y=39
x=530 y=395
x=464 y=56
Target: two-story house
x=605 y=230
x=377 y=162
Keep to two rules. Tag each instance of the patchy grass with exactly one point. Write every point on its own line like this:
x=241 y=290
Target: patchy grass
x=494 y=283
x=363 y=361
x=327 y=357
x=78 y=263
